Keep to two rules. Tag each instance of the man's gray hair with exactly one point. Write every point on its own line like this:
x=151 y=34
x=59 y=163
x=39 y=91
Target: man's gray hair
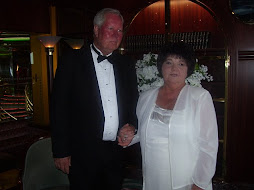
x=100 y=16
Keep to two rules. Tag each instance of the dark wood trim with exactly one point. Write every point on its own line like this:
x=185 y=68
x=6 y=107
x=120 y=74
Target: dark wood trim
x=245 y=55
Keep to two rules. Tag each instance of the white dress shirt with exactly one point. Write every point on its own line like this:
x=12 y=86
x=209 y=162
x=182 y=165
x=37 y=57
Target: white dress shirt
x=106 y=80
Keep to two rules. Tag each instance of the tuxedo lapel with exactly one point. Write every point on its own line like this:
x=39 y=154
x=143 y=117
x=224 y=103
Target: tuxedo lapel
x=90 y=79
x=119 y=86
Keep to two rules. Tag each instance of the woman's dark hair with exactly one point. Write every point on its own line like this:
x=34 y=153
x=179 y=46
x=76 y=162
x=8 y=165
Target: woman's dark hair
x=181 y=50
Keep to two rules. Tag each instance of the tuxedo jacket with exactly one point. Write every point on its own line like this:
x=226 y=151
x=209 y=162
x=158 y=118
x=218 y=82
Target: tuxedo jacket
x=76 y=112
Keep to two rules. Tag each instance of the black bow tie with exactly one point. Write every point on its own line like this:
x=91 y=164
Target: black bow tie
x=100 y=57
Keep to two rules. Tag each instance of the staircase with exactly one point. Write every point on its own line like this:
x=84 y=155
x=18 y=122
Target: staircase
x=14 y=107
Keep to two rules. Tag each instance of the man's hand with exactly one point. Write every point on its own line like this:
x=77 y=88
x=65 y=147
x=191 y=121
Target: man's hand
x=126 y=135
x=63 y=164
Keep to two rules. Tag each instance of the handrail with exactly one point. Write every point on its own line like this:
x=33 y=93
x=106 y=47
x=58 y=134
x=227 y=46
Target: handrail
x=5 y=114
x=8 y=113
x=29 y=104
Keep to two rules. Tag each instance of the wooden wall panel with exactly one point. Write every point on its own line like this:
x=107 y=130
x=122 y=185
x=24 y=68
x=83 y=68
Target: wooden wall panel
x=150 y=20
x=239 y=146
x=186 y=16
x=240 y=151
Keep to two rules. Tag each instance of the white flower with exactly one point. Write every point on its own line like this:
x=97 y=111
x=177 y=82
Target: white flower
x=148 y=75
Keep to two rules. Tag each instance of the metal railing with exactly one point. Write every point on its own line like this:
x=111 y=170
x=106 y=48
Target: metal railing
x=8 y=89
x=29 y=105
x=3 y=115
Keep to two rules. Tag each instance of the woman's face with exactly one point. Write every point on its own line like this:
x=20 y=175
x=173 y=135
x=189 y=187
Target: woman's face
x=174 y=70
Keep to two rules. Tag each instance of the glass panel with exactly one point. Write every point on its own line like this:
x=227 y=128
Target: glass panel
x=15 y=77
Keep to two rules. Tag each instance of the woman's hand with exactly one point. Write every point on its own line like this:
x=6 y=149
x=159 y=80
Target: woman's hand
x=126 y=135
x=194 y=187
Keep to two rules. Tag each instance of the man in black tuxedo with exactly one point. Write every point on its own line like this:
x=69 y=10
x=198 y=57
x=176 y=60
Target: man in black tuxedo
x=93 y=103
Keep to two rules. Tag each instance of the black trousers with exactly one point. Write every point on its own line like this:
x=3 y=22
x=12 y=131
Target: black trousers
x=100 y=169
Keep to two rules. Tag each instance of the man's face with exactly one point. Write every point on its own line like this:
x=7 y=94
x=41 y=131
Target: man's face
x=109 y=36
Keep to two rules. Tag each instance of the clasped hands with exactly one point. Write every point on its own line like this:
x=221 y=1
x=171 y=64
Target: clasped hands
x=126 y=135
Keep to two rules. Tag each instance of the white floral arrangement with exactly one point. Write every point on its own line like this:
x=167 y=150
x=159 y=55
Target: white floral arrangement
x=148 y=75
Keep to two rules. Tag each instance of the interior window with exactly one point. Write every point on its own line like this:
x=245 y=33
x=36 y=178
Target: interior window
x=15 y=76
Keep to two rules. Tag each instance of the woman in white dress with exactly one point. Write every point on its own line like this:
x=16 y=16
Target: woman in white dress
x=177 y=127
